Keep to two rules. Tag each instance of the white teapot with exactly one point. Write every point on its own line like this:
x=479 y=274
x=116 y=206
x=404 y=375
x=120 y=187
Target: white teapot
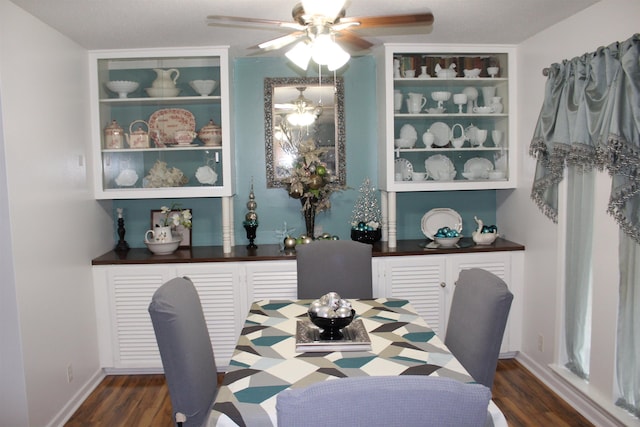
x=138 y=138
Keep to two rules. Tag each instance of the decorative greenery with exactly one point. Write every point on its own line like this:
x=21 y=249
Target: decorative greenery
x=310 y=179
x=175 y=218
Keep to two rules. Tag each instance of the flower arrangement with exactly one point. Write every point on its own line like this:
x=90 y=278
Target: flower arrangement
x=173 y=217
x=311 y=181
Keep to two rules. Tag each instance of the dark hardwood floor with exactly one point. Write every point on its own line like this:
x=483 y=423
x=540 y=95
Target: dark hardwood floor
x=143 y=400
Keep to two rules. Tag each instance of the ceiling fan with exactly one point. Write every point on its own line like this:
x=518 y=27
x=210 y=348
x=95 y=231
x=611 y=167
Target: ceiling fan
x=301 y=110
x=317 y=27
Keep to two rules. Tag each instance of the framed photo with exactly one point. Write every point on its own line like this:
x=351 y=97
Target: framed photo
x=157 y=217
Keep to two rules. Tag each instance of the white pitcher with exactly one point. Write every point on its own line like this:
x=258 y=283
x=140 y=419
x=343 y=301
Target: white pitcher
x=415 y=102
x=164 y=80
x=159 y=235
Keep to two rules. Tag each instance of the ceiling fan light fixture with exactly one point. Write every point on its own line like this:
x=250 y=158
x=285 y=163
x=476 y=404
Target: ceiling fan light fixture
x=325 y=51
x=300 y=54
x=301 y=118
x=339 y=57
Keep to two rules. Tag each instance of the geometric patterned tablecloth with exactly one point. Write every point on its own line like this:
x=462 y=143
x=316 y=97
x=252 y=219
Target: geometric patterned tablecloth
x=265 y=361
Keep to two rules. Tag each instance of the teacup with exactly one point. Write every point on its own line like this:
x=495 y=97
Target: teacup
x=410 y=73
x=418 y=176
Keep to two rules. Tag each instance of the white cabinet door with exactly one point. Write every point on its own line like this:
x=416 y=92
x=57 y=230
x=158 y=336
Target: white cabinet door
x=271 y=280
x=217 y=286
x=123 y=293
x=133 y=341
x=500 y=264
x=422 y=281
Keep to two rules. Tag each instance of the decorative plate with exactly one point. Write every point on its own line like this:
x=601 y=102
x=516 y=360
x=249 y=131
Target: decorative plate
x=441 y=133
x=439 y=164
x=127 y=178
x=407 y=131
x=206 y=175
x=479 y=166
x=164 y=123
x=404 y=167
x=437 y=218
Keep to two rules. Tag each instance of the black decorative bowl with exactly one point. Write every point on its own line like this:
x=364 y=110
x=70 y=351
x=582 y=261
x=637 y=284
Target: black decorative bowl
x=330 y=327
x=365 y=236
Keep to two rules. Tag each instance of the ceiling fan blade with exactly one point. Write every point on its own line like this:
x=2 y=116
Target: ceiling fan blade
x=391 y=20
x=227 y=19
x=281 y=42
x=357 y=42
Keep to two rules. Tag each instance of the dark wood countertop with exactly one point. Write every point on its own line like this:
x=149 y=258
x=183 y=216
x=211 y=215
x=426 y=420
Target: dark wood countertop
x=272 y=252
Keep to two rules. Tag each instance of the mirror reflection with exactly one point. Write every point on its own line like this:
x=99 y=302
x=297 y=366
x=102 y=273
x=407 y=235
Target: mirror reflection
x=301 y=109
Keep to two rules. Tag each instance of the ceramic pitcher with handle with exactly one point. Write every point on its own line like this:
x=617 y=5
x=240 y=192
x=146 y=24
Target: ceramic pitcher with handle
x=164 y=79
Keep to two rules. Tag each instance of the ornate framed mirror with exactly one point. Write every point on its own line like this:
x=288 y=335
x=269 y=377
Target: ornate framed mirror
x=298 y=110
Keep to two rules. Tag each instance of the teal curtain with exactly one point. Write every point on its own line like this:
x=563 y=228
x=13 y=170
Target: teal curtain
x=590 y=119
x=628 y=368
x=577 y=312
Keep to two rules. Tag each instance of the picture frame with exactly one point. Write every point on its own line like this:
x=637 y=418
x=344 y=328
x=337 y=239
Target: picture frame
x=157 y=216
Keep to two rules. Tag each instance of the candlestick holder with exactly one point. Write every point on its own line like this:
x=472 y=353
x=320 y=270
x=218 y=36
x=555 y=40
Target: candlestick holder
x=251 y=234
x=251 y=219
x=122 y=245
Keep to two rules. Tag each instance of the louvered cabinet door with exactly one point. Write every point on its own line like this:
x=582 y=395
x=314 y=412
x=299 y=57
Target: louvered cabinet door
x=271 y=280
x=498 y=263
x=133 y=340
x=422 y=281
x=217 y=285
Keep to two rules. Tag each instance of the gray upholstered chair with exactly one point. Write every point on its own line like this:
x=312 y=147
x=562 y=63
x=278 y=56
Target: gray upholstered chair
x=477 y=320
x=185 y=350
x=342 y=266
x=405 y=400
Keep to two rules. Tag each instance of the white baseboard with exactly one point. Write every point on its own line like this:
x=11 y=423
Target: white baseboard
x=72 y=405
x=594 y=408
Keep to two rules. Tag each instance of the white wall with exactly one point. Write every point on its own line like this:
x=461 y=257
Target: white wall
x=601 y=24
x=56 y=226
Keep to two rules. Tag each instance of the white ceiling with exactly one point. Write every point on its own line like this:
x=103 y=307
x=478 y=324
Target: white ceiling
x=119 y=24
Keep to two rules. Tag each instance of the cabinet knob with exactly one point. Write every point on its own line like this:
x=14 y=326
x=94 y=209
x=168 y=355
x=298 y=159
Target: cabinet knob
x=443 y=285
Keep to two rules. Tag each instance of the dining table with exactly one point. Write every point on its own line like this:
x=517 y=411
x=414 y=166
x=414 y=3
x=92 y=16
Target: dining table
x=269 y=358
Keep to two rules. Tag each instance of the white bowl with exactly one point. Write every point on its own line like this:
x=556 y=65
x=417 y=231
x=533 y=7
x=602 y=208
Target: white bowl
x=203 y=87
x=496 y=174
x=163 y=248
x=447 y=242
x=470 y=74
x=122 y=87
x=162 y=92
x=483 y=110
x=440 y=95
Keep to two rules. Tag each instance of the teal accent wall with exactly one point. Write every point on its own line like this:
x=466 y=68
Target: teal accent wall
x=274 y=205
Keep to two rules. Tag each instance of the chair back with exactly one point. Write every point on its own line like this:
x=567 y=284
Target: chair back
x=404 y=400
x=343 y=266
x=477 y=320
x=185 y=350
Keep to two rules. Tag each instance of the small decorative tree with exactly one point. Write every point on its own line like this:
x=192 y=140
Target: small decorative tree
x=366 y=219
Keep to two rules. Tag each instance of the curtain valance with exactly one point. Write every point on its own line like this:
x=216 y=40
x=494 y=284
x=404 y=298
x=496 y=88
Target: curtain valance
x=590 y=118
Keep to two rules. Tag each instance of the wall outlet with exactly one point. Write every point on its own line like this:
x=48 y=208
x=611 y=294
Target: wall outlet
x=540 y=343
x=69 y=373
